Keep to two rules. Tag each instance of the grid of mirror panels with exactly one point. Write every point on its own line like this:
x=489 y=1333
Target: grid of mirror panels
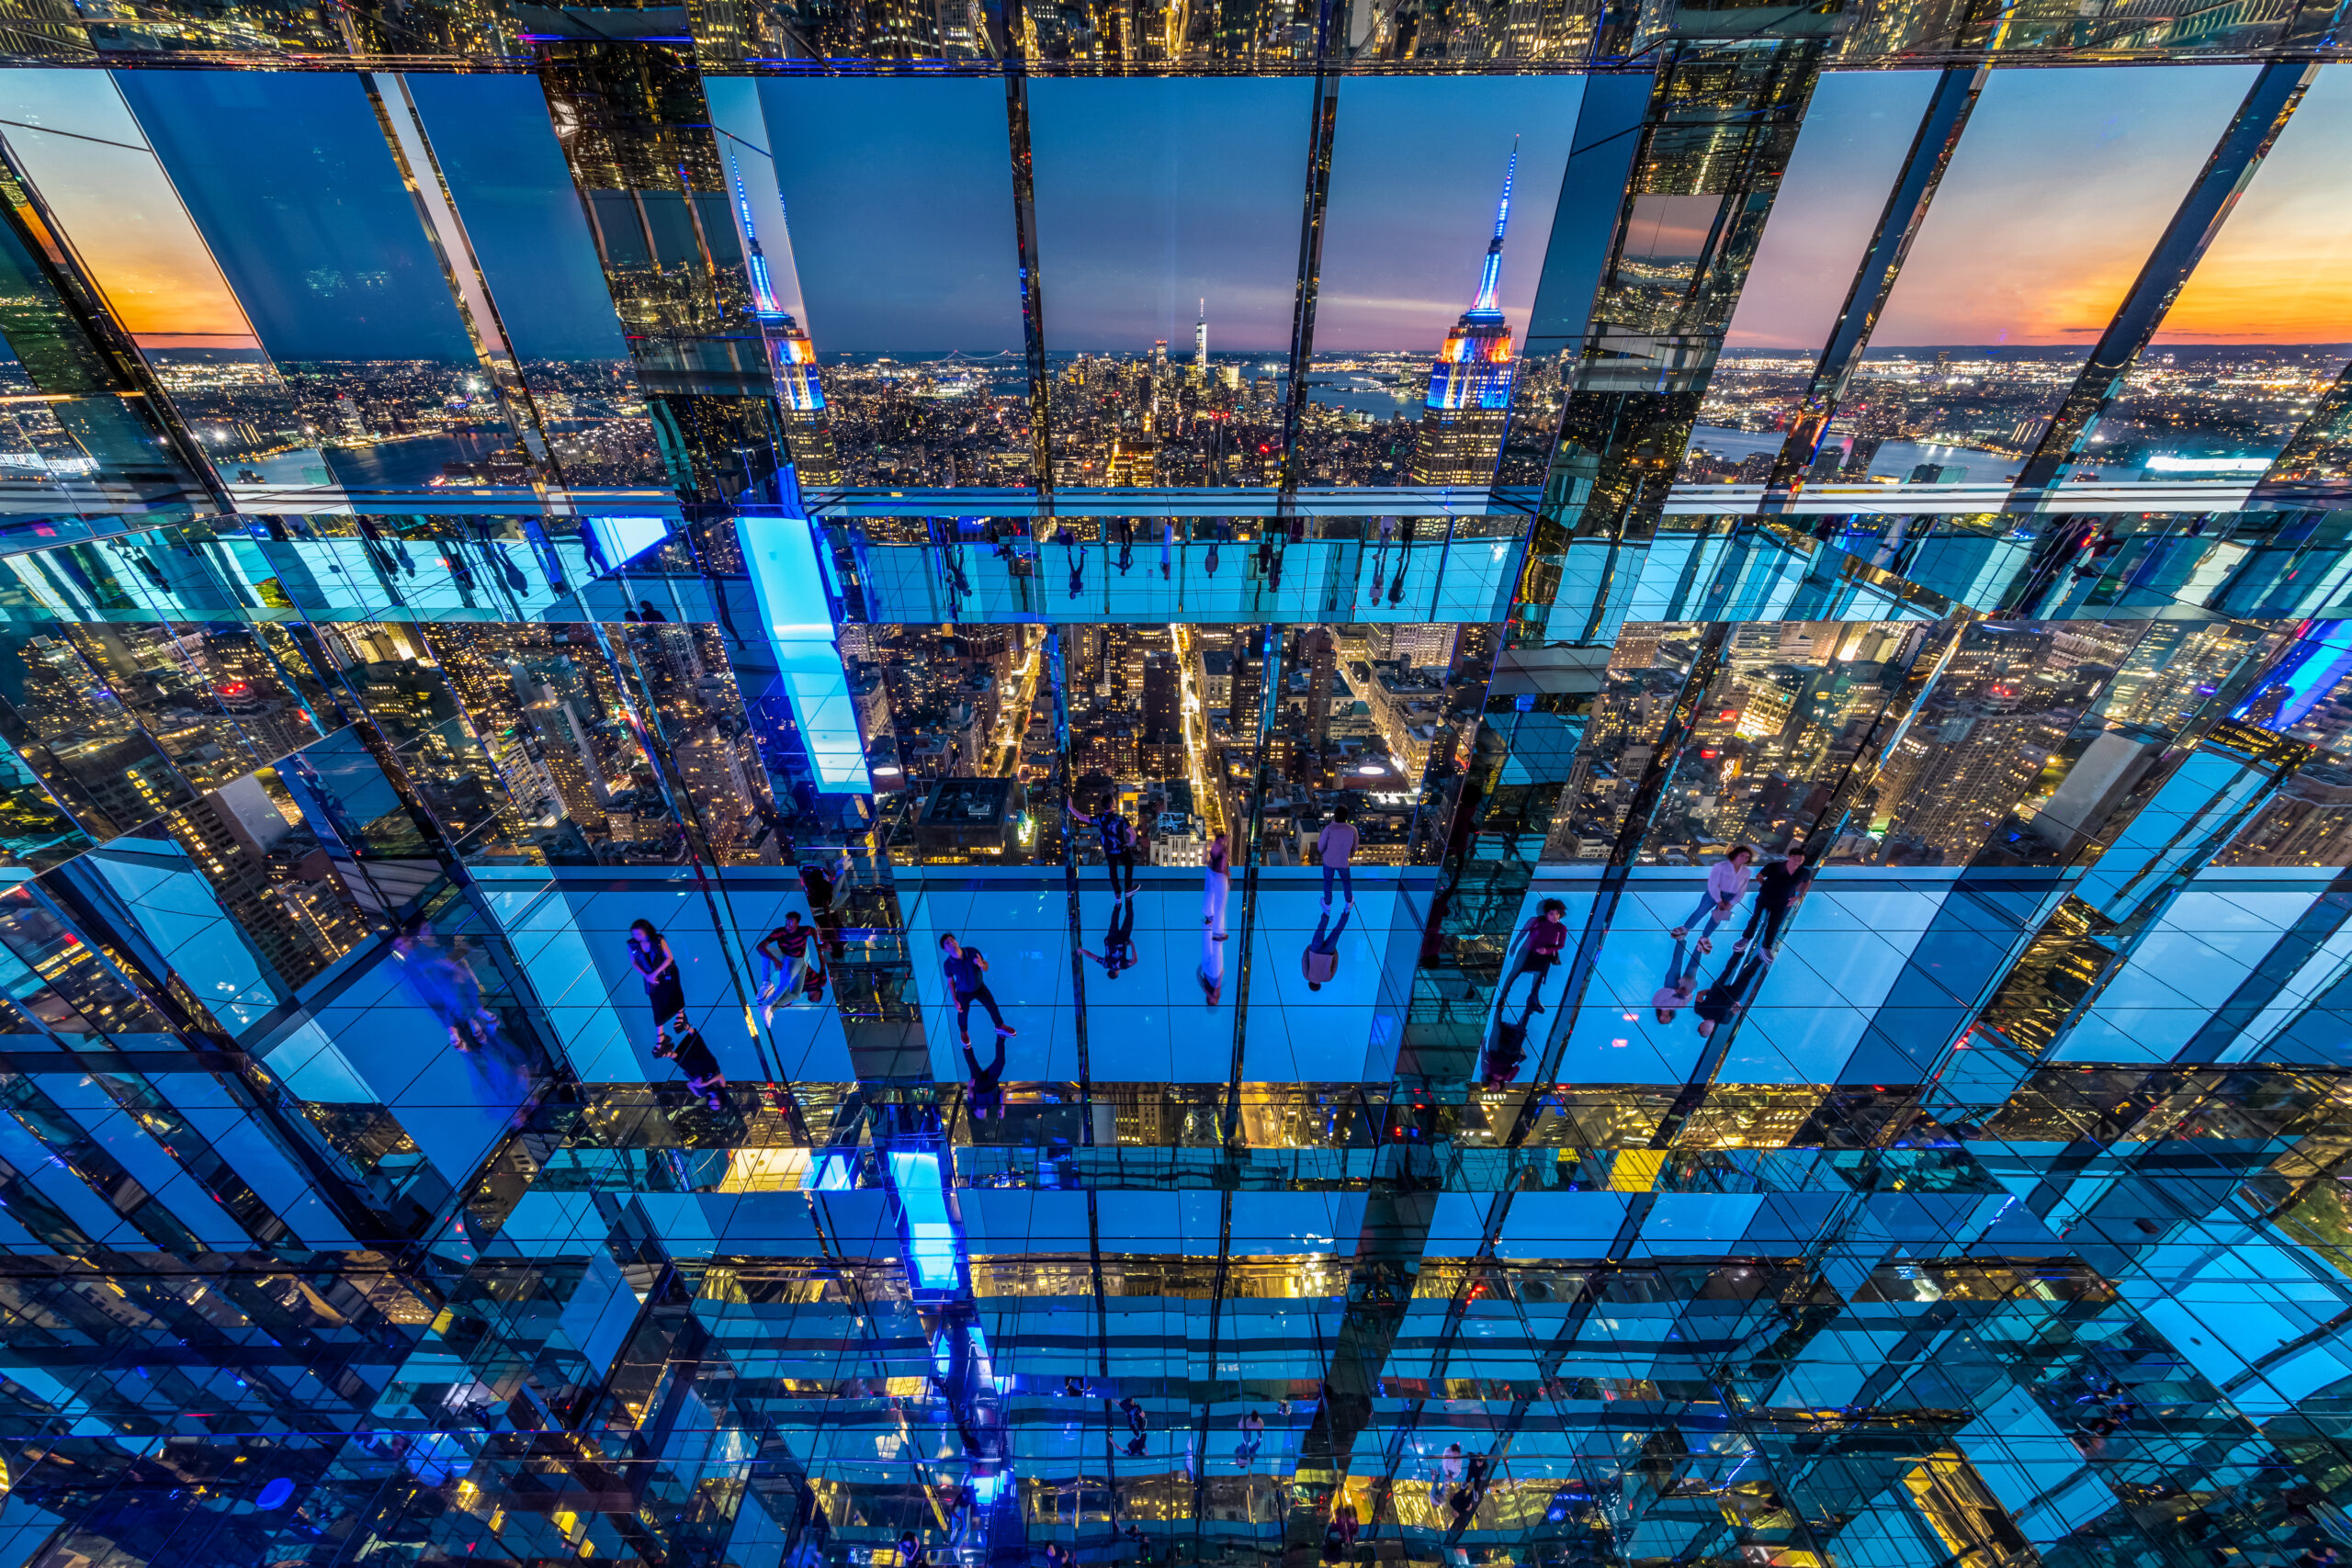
x=980 y=783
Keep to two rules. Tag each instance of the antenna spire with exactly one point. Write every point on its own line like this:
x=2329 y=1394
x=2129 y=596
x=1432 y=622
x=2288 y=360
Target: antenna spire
x=763 y=299
x=1492 y=276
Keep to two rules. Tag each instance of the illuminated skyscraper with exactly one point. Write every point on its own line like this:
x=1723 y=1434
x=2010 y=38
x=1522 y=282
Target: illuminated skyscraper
x=1201 y=342
x=1469 y=396
x=793 y=359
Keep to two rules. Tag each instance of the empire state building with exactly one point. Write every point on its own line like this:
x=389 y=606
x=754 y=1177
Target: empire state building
x=1468 y=404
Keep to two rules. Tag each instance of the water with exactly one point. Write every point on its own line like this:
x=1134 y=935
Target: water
x=405 y=465
x=409 y=464
x=1895 y=459
x=1361 y=394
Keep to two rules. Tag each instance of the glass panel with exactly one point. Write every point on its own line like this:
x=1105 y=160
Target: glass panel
x=1167 y=223
x=901 y=198
x=960 y=738
x=1857 y=132
x=86 y=160
x=2256 y=337
x=497 y=149
x=2012 y=279
x=348 y=297
x=1417 y=174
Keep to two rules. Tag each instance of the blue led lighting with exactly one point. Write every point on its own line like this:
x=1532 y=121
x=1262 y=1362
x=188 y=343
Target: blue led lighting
x=931 y=1229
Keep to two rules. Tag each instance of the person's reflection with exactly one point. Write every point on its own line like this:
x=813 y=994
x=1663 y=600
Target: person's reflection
x=1075 y=559
x=1211 y=970
x=1723 y=1001
x=984 y=1095
x=1321 y=959
x=1507 y=1052
x=1404 y=554
x=1681 y=984
x=440 y=979
x=1119 y=942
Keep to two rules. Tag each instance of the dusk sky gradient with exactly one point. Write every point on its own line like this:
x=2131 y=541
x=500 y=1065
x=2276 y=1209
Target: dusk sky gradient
x=2060 y=187
x=900 y=197
x=289 y=179
x=1416 y=164
x=1152 y=193
x=119 y=209
x=1847 y=158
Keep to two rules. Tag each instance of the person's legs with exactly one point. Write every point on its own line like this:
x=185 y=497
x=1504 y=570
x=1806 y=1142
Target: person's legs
x=964 y=1017
x=1347 y=883
x=1539 y=965
x=1755 y=917
x=1706 y=909
x=1326 y=883
x=986 y=999
x=1502 y=996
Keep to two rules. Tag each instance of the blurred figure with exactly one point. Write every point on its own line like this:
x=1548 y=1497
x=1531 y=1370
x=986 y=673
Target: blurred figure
x=443 y=982
x=1217 y=885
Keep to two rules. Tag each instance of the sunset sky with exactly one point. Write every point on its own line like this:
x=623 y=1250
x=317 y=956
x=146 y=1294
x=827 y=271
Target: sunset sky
x=1151 y=194
x=2060 y=184
x=119 y=209
x=2281 y=271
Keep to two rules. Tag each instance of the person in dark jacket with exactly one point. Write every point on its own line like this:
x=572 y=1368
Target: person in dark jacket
x=1721 y=1003
x=1779 y=887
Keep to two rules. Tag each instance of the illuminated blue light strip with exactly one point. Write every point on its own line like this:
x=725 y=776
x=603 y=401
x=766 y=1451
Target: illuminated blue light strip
x=931 y=1229
x=788 y=581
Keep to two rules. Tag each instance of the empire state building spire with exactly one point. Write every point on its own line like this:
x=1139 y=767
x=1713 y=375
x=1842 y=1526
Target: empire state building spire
x=1492 y=276
x=1466 y=411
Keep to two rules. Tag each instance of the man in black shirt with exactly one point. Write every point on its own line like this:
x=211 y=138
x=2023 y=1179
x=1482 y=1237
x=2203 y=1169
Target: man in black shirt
x=1119 y=843
x=963 y=967
x=1777 y=887
x=1721 y=1002
x=985 y=1095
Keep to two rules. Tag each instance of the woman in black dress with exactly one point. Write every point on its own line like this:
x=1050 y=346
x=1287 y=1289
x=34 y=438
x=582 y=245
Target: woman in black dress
x=657 y=966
